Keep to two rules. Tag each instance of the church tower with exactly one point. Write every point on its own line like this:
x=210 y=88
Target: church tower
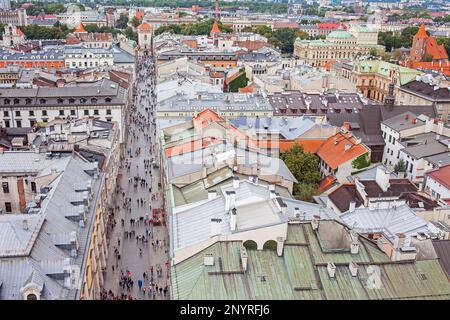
x=145 y=32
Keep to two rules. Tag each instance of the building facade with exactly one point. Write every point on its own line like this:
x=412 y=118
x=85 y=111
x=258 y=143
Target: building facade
x=103 y=99
x=339 y=45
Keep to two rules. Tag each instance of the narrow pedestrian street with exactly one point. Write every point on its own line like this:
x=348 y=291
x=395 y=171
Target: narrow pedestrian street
x=137 y=266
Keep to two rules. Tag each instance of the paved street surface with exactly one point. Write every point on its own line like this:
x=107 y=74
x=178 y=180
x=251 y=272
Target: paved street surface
x=143 y=243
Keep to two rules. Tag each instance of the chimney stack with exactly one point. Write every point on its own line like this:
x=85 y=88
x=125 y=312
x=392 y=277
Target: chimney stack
x=244 y=258
x=315 y=222
x=233 y=219
x=212 y=194
x=230 y=200
x=382 y=178
x=353 y=266
x=399 y=240
x=331 y=268
x=25 y=224
x=235 y=182
x=352 y=206
x=215 y=227
x=354 y=245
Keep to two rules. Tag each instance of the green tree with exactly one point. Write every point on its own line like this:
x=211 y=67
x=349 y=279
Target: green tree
x=240 y=82
x=302 y=35
x=122 y=22
x=135 y=22
x=397 y=55
x=287 y=37
x=445 y=42
x=361 y=162
x=130 y=34
x=304 y=167
x=400 y=166
x=2 y=30
x=374 y=52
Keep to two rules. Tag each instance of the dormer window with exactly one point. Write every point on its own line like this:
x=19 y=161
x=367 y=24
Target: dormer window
x=82 y=100
x=27 y=101
x=71 y=100
x=7 y=101
x=94 y=100
x=42 y=101
x=16 y=101
x=107 y=99
x=60 y=100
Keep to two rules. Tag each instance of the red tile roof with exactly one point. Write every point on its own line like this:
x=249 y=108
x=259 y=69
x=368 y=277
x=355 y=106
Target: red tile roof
x=326 y=183
x=190 y=146
x=442 y=67
x=334 y=152
x=139 y=15
x=441 y=175
x=144 y=27
x=330 y=25
x=311 y=146
x=421 y=33
x=436 y=51
x=215 y=28
x=80 y=28
x=248 y=89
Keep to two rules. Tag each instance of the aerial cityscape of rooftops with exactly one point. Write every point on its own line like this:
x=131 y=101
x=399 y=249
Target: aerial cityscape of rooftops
x=225 y=150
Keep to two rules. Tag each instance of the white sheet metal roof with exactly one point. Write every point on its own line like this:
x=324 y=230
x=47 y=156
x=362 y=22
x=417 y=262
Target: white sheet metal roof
x=387 y=221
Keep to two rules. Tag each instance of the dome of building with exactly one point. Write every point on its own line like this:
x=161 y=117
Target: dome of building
x=340 y=34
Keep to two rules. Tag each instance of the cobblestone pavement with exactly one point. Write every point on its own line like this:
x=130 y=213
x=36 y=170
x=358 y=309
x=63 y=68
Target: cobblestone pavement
x=141 y=134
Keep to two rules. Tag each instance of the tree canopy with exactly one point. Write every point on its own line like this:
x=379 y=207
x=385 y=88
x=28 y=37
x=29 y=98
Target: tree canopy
x=34 y=32
x=281 y=38
x=304 y=167
x=400 y=166
x=122 y=22
x=200 y=28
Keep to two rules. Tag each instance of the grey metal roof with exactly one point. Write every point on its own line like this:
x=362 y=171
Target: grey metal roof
x=387 y=221
x=220 y=102
x=24 y=162
x=191 y=223
x=47 y=257
x=95 y=93
x=44 y=55
x=424 y=145
x=288 y=127
x=189 y=162
x=399 y=122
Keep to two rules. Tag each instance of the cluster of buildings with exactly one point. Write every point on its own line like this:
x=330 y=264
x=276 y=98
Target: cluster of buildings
x=228 y=106
x=63 y=107
x=233 y=214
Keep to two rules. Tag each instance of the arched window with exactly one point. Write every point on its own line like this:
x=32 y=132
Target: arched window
x=270 y=245
x=250 y=245
x=32 y=296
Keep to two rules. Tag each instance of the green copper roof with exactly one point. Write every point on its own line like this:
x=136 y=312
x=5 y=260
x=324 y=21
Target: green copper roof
x=384 y=68
x=301 y=273
x=339 y=34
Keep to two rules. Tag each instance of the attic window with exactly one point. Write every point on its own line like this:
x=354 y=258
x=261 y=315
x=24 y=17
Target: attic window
x=42 y=101
x=71 y=100
x=60 y=100
x=108 y=100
